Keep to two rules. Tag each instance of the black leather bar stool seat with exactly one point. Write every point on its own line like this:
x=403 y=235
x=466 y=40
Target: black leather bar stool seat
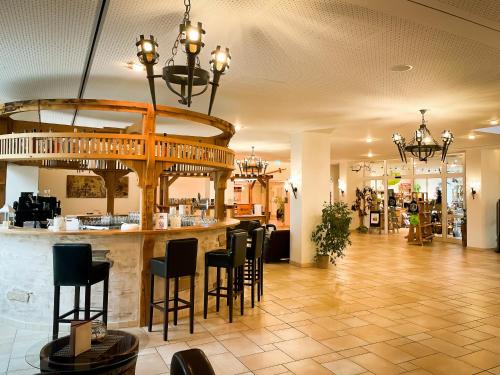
x=179 y=261
x=190 y=362
x=233 y=260
x=254 y=263
x=73 y=266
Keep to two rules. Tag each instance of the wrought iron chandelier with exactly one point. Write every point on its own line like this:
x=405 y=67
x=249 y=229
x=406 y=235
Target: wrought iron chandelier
x=423 y=145
x=252 y=165
x=180 y=78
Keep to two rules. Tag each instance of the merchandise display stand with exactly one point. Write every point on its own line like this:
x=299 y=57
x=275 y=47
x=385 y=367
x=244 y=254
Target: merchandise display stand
x=393 y=220
x=418 y=234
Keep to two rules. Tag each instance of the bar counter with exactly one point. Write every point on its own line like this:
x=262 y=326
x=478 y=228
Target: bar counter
x=26 y=275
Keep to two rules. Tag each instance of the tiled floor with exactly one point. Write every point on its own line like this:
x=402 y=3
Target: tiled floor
x=387 y=308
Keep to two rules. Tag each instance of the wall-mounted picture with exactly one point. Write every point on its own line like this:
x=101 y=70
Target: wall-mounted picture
x=93 y=187
x=375 y=219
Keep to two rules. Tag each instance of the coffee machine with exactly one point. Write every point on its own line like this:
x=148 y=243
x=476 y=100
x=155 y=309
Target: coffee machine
x=36 y=209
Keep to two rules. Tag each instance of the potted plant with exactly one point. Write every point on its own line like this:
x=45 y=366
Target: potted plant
x=463 y=228
x=331 y=236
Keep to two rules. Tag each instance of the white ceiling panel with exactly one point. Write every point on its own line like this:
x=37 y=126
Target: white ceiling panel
x=44 y=45
x=297 y=65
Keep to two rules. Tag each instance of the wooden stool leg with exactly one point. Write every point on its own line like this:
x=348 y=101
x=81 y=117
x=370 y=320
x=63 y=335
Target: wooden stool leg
x=105 y=301
x=165 y=310
x=87 y=302
x=76 y=305
x=205 y=294
x=230 y=292
x=176 y=299
x=151 y=301
x=55 y=316
x=191 y=306
x=217 y=291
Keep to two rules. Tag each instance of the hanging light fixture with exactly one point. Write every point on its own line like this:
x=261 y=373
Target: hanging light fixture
x=423 y=145
x=189 y=80
x=252 y=165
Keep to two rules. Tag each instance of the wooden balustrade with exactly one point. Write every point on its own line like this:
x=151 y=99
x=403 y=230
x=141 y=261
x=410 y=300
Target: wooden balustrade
x=102 y=146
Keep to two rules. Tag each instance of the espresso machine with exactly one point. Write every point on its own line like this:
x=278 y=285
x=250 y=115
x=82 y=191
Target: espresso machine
x=35 y=209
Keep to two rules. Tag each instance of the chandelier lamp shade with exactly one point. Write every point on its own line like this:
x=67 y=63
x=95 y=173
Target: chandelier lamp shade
x=187 y=80
x=252 y=165
x=423 y=146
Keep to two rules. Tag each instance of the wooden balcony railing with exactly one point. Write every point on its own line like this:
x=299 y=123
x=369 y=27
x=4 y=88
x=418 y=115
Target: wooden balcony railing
x=100 y=146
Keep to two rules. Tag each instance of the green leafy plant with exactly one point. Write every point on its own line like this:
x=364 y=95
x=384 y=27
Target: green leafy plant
x=414 y=220
x=331 y=236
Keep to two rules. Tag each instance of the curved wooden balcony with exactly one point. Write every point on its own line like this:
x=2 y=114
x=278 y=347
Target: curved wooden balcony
x=41 y=147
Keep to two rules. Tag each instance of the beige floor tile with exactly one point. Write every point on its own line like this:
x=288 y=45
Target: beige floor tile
x=430 y=322
x=150 y=364
x=492 y=344
x=307 y=367
x=407 y=329
x=376 y=364
x=261 y=336
x=327 y=357
x=352 y=352
x=389 y=352
x=416 y=349
x=211 y=348
x=289 y=333
x=317 y=332
x=268 y=347
x=483 y=359
x=372 y=333
x=302 y=348
x=445 y=347
x=265 y=359
x=226 y=364
x=475 y=334
x=451 y=337
x=241 y=346
x=274 y=370
x=167 y=351
x=495 y=370
x=344 y=342
x=344 y=367
x=492 y=330
x=441 y=364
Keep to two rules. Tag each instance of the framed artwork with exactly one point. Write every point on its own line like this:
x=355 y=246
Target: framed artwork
x=375 y=219
x=93 y=187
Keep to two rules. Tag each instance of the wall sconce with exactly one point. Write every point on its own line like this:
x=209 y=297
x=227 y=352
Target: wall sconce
x=341 y=185
x=473 y=192
x=292 y=188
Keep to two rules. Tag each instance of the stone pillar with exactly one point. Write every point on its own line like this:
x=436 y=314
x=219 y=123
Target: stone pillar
x=310 y=173
x=482 y=174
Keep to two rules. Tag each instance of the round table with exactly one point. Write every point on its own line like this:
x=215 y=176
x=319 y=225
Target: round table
x=117 y=354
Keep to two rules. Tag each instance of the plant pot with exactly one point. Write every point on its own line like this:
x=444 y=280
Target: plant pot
x=463 y=228
x=323 y=261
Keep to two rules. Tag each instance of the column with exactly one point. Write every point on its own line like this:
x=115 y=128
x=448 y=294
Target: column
x=310 y=173
x=482 y=174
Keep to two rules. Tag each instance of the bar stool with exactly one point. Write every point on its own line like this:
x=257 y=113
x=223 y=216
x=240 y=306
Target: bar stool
x=233 y=260
x=73 y=266
x=253 y=272
x=190 y=362
x=179 y=260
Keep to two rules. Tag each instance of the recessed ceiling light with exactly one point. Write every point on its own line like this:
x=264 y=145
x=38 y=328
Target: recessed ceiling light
x=238 y=127
x=401 y=68
x=472 y=136
x=370 y=154
x=494 y=122
x=369 y=140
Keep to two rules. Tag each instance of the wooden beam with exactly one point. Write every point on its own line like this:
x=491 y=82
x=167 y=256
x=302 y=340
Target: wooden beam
x=111 y=178
x=220 y=185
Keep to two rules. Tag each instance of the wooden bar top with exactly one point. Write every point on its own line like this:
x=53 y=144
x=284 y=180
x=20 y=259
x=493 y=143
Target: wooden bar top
x=111 y=232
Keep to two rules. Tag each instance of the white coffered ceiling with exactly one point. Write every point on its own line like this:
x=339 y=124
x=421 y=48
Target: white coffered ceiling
x=304 y=65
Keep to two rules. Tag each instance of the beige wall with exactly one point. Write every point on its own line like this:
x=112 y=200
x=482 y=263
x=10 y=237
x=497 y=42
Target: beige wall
x=55 y=180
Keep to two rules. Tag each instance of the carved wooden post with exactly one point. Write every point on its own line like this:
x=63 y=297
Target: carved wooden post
x=111 y=179
x=5 y=128
x=220 y=185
